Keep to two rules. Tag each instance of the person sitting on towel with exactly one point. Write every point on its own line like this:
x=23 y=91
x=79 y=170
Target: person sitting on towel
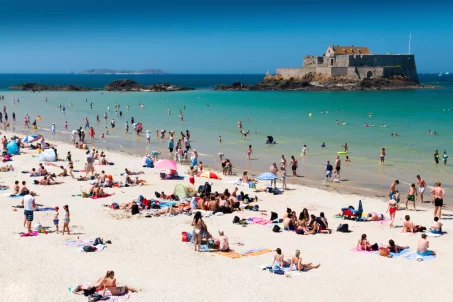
x=422 y=247
x=436 y=227
x=296 y=264
x=394 y=248
x=223 y=242
x=288 y=223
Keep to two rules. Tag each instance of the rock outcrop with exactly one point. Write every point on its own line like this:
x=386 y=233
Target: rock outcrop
x=129 y=85
x=41 y=87
x=320 y=82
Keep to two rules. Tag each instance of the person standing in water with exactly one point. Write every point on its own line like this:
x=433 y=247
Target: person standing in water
x=436 y=156
x=283 y=161
x=382 y=156
x=445 y=158
x=337 y=167
x=294 y=165
x=346 y=148
x=421 y=187
x=249 y=152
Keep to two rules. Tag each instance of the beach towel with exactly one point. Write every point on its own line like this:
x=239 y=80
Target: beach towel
x=78 y=243
x=29 y=234
x=98 y=197
x=99 y=248
x=3 y=189
x=286 y=272
x=14 y=195
x=167 y=204
x=396 y=255
x=429 y=234
x=415 y=256
x=108 y=294
x=258 y=220
x=45 y=209
x=234 y=255
x=80 y=195
x=354 y=249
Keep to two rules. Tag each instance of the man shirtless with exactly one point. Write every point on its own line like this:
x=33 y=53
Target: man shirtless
x=408 y=225
x=411 y=195
x=392 y=189
x=16 y=187
x=24 y=190
x=273 y=169
x=102 y=177
x=337 y=167
x=438 y=194
x=64 y=172
x=421 y=186
x=422 y=247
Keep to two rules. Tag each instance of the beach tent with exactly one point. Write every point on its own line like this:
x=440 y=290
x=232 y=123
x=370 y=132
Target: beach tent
x=183 y=191
x=12 y=148
x=47 y=155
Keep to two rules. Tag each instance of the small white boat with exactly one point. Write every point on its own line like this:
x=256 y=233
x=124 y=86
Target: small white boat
x=447 y=73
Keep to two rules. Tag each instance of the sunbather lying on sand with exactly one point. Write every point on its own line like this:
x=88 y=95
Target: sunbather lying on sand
x=47 y=181
x=107 y=282
x=297 y=265
x=128 y=172
x=97 y=191
x=7 y=168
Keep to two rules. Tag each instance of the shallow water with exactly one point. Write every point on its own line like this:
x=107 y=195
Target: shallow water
x=284 y=115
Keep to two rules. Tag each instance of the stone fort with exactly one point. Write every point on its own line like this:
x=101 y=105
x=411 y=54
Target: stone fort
x=355 y=63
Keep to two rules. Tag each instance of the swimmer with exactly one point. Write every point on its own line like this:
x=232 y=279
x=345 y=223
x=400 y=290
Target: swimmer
x=347 y=159
x=323 y=145
x=343 y=123
x=220 y=139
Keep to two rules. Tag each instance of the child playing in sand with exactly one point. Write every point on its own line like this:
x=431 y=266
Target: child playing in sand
x=66 y=219
x=55 y=218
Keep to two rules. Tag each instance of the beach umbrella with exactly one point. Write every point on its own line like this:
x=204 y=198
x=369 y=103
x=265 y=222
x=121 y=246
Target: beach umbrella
x=209 y=174
x=30 y=138
x=267 y=176
x=165 y=164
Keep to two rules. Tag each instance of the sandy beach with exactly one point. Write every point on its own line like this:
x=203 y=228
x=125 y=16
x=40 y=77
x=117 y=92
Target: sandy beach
x=148 y=253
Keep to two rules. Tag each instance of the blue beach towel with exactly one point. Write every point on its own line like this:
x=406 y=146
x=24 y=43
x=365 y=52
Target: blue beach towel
x=396 y=255
x=3 y=189
x=415 y=256
x=15 y=196
x=45 y=209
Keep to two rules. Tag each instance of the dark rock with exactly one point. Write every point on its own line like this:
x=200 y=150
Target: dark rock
x=128 y=85
x=41 y=87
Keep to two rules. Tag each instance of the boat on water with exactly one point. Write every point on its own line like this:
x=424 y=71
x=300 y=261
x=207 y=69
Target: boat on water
x=447 y=73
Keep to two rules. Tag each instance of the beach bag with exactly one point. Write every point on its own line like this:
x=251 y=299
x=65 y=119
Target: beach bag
x=274 y=216
x=343 y=228
x=84 y=195
x=236 y=219
x=276 y=229
x=200 y=189
x=384 y=252
x=115 y=206
x=89 y=248
x=184 y=237
x=268 y=190
x=375 y=247
x=207 y=189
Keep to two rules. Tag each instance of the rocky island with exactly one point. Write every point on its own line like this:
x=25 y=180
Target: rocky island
x=129 y=85
x=319 y=82
x=41 y=87
x=119 y=85
x=343 y=68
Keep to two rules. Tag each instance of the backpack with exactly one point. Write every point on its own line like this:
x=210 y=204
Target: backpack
x=276 y=229
x=89 y=291
x=236 y=219
x=274 y=216
x=343 y=228
x=89 y=248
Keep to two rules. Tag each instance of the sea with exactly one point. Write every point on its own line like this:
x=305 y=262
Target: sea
x=294 y=119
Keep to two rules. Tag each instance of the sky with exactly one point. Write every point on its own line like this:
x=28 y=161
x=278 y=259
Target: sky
x=216 y=36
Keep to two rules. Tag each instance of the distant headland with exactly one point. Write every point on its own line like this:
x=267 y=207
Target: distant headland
x=117 y=71
x=119 y=85
x=342 y=68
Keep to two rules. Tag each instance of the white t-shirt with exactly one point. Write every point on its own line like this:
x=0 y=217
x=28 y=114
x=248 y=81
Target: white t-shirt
x=28 y=203
x=148 y=134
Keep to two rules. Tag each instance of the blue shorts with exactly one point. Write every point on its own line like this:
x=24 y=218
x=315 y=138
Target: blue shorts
x=427 y=253
x=28 y=215
x=55 y=222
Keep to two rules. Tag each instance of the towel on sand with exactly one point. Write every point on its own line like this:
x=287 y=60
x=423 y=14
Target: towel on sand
x=45 y=209
x=429 y=234
x=415 y=256
x=14 y=195
x=78 y=242
x=29 y=234
x=396 y=255
x=98 y=197
x=286 y=272
x=99 y=248
x=234 y=255
x=354 y=249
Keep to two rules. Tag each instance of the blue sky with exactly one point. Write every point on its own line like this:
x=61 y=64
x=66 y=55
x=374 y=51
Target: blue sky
x=194 y=36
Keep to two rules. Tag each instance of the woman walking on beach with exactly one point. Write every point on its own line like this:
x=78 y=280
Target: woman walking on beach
x=392 y=210
x=382 y=156
x=249 y=152
x=66 y=219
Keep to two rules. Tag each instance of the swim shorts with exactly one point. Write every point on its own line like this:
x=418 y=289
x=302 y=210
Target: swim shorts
x=338 y=169
x=55 y=222
x=192 y=180
x=293 y=168
x=421 y=189
x=411 y=197
x=28 y=215
x=438 y=202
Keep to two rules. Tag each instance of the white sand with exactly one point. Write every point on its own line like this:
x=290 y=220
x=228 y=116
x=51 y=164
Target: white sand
x=148 y=253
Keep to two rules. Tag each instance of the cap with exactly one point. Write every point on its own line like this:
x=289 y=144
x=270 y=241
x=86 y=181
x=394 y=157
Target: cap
x=57 y=208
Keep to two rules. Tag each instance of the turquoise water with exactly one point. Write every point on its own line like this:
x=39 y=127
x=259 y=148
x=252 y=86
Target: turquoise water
x=284 y=115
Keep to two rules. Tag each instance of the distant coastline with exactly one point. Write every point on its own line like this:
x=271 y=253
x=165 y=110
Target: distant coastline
x=121 y=72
